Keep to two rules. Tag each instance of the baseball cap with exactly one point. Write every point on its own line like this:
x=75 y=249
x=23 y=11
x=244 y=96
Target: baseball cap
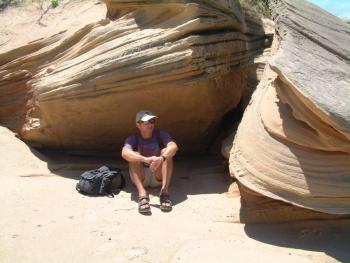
x=145 y=115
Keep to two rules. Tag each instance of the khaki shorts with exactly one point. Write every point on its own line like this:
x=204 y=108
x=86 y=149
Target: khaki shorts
x=150 y=179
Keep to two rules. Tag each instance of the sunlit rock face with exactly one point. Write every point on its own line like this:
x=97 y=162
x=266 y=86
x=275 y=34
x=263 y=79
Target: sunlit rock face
x=79 y=91
x=293 y=144
x=254 y=74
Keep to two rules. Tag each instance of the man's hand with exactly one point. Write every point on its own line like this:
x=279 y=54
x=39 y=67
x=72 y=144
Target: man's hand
x=157 y=161
x=153 y=161
x=149 y=160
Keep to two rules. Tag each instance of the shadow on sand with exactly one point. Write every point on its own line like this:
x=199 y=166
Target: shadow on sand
x=193 y=175
x=329 y=236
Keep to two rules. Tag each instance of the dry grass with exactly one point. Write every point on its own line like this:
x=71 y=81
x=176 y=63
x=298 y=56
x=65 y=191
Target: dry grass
x=258 y=7
x=6 y=3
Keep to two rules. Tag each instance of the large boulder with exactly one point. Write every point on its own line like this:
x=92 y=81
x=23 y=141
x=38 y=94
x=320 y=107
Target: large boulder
x=18 y=159
x=79 y=91
x=293 y=144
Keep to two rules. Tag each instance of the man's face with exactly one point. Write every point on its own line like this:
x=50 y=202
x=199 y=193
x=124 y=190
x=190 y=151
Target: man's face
x=146 y=126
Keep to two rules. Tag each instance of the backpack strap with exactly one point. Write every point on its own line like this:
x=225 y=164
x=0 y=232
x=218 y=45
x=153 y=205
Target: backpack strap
x=137 y=142
x=159 y=139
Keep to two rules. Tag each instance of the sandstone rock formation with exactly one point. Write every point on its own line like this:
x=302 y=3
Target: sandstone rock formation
x=17 y=159
x=79 y=91
x=254 y=74
x=293 y=144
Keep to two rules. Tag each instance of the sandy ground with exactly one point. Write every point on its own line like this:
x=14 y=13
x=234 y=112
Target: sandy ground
x=29 y=22
x=44 y=219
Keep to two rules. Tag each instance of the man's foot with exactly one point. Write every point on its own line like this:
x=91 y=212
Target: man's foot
x=144 y=207
x=165 y=203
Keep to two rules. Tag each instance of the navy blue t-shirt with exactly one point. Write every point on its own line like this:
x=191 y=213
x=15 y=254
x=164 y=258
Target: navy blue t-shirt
x=148 y=147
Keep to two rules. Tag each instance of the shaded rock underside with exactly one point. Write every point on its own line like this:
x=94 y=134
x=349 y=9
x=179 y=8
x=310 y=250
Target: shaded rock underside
x=79 y=90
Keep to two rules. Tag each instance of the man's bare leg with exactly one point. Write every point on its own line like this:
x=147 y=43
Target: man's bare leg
x=137 y=175
x=164 y=174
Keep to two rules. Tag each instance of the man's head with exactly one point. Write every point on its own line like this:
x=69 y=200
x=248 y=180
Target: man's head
x=145 y=120
x=144 y=116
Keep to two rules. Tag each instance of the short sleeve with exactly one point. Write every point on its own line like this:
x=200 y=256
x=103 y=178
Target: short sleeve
x=165 y=137
x=130 y=142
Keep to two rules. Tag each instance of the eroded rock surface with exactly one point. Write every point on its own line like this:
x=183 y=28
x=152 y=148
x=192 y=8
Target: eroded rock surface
x=17 y=159
x=80 y=90
x=293 y=144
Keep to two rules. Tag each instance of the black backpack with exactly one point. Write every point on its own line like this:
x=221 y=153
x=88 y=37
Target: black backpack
x=99 y=181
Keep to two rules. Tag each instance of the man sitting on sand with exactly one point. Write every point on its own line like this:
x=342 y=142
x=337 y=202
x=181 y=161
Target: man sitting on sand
x=150 y=155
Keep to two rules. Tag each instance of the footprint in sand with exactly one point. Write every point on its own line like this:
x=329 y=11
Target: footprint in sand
x=136 y=252
x=90 y=215
x=105 y=247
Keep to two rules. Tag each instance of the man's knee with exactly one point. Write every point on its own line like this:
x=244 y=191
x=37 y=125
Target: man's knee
x=135 y=167
x=134 y=164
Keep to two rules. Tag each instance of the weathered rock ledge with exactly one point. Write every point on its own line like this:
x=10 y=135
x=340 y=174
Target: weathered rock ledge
x=79 y=91
x=293 y=144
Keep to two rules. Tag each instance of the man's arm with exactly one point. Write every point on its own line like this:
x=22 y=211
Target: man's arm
x=132 y=156
x=170 y=150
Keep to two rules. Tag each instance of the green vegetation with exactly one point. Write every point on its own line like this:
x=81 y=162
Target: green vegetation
x=40 y=3
x=6 y=3
x=258 y=7
x=54 y=3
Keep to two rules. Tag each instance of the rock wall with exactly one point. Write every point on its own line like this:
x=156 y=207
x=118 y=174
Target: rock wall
x=293 y=144
x=254 y=75
x=79 y=91
x=17 y=159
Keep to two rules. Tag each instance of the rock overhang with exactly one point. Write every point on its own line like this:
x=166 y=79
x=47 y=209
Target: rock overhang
x=81 y=87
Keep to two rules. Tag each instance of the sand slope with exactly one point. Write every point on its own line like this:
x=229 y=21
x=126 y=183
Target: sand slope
x=44 y=219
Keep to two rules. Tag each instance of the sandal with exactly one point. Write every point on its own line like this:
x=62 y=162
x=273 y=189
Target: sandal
x=165 y=203
x=144 y=207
